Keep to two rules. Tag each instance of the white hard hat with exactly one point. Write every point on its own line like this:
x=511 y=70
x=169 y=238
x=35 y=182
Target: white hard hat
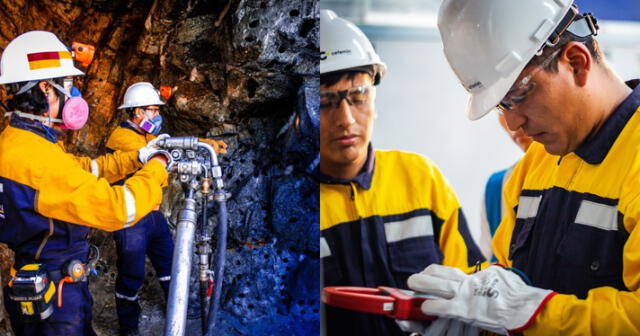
x=344 y=46
x=36 y=55
x=489 y=42
x=141 y=94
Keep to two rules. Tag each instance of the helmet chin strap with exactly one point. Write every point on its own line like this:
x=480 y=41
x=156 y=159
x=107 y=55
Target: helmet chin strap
x=64 y=93
x=48 y=119
x=27 y=87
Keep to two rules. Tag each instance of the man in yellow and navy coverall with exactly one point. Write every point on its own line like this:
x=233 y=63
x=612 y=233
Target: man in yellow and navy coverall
x=383 y=214
x=573 y=201
x=151 y=235
x=49 y=198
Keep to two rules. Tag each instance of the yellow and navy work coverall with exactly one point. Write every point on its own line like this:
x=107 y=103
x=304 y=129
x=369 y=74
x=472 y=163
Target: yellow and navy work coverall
x=48 y=201
x=150 y=236
x=571 y=226
x=398 y=216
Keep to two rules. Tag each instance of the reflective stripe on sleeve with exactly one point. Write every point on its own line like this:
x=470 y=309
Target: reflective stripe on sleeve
x=325 y=251
x=164 y=278
x=130 y=298
x=94 y=168
x=410 y=228
x=130 y=204
x=528 y=206
x=597 y=215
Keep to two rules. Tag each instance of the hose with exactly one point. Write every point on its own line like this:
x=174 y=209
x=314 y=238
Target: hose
x=221 y=247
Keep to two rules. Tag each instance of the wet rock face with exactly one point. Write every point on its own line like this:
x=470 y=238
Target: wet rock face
x=242 y=71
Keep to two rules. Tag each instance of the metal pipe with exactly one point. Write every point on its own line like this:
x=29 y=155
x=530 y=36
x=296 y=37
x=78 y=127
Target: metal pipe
x=179 y=142
x=204 y=252
x=179 y=289
x=181 y=268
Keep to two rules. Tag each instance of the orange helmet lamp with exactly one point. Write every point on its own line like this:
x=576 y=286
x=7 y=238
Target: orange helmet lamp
x=83 y=53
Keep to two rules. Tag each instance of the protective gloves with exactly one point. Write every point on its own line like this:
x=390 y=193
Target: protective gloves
x=441 y=327
x=151 y=149
x=218 y=145
x=492 y=299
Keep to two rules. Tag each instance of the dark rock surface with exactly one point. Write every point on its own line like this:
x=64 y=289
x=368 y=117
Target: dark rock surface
x=242 y=71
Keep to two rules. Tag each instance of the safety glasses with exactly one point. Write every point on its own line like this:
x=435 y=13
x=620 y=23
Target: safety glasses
x=357 y=97
x=151 y=111
x=519 y=92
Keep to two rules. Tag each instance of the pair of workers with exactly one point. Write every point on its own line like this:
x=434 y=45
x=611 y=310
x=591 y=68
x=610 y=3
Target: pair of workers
x=50 y=198
x=571 y=204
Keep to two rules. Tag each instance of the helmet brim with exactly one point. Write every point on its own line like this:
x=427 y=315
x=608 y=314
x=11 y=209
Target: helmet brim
x=38 y=77
x=484 y=101
x=126 y=106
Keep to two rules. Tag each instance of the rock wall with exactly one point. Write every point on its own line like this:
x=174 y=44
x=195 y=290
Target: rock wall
x=242 y=71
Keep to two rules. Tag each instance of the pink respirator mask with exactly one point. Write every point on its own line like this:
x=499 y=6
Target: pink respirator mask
x=75 y=111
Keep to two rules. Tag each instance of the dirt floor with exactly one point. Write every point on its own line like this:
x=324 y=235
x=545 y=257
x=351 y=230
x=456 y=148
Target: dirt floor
x=105 y=320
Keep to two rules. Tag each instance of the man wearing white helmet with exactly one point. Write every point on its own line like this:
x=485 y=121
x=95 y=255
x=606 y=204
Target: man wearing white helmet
x=49 y=198
x=383 y=214
x=573 y=201
x=151 y=235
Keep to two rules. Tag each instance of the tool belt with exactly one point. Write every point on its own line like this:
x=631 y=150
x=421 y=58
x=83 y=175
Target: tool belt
x=33 y=287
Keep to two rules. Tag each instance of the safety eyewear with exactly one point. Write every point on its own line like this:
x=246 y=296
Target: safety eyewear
x=151 y=111
x=357 y=97
x=518 y=93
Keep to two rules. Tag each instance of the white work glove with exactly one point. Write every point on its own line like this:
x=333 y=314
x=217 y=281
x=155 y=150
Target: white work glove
x=493 y=299
x=441 y=327
x=151 y=149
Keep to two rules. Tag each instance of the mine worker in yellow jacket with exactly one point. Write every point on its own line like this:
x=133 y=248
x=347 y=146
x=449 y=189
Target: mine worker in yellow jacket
x=49 y=198
x=573 y=202
x=151 y=236
x=383 y=214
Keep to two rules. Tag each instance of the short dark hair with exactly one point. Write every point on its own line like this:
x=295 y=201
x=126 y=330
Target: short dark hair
x=332 y=78
x=32 y=101
x=591 y=44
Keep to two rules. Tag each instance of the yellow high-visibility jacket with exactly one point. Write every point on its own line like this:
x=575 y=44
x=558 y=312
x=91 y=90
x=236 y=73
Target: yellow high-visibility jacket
x=571 y=226
x=126 y=138
x=50 y=198
x=398 y=216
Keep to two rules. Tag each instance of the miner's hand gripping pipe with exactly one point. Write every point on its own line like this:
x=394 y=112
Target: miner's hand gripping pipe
x=189 y=169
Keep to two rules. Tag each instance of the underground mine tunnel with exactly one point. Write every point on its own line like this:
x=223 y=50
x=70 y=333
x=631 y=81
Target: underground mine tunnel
x=244 y=72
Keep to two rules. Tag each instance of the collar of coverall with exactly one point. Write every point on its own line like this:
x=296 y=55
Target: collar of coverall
x=364 y=177
x=128 y=124
x=595 y=148
x=34 y=126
